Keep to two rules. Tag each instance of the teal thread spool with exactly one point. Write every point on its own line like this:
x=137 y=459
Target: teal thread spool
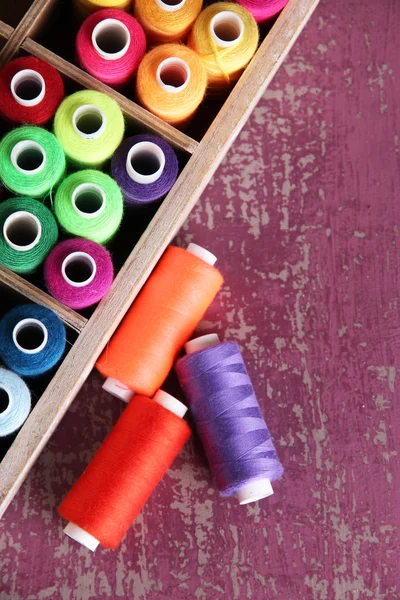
x=89 y=126
x=32 y=161
x=28 y=231
x=89 y=204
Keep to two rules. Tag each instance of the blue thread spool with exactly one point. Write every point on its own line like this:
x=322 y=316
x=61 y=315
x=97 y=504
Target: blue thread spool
x=16 y=402
x=32 y=339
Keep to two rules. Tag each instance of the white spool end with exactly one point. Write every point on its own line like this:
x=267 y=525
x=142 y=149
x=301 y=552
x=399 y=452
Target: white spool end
x=22 y=231
x=145 y=162
x=111 y=39
x=89 y=200
x=226 y=29
x=81 y=536
x=201 y=343
x=78 y=269
x=30 y=336
x=118 y=389
x=255 y=490
x=173 y=74
x=171 y=5
x=202 y=253
x=170 y=403
x=28 y=157
x=28 y=87
x=89 y=121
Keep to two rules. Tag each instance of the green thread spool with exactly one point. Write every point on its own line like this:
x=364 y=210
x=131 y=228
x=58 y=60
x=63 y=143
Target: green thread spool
x=89 y=204
x=32 y=161
x=89 y=126
x=28 y=231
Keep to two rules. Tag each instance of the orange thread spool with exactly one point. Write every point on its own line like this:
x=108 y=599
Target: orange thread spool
x=141 y=447
x=161 y=320
x=167 y=21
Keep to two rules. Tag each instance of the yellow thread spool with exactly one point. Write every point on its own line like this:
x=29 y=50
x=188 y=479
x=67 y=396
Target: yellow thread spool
x=166 y=21
x=225 y=36
x=84 y=8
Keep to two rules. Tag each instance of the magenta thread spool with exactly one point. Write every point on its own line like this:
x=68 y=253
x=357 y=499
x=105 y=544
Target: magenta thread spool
x=78 y=273
x=145 y=168
x=263 y=10
x=110 y=45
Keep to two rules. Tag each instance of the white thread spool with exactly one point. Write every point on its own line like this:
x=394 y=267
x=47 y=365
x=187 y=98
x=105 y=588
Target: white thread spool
x=28 y=157
x=226 y=29
x=80 y=535
x=30 y=336
x=171 y=5
x=111 y=39
x=22 y=231
x=173 y=74
x=89 y=200
x=78 y=269
x=254 y=490
x=15 y=391
x=145 y=162
x=89 y=121
x=28 y=87
x=117 y=388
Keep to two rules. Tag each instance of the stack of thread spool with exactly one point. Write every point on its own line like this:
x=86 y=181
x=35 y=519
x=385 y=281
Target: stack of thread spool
x=115 y=486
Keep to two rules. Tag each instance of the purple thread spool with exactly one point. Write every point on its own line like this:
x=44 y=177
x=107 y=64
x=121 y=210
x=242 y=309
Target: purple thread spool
x=78 y=273
x=145 y=168
x=228 y=419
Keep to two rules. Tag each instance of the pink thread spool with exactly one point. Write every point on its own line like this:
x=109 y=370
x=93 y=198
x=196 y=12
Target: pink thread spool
x=78 y=273
x=110 y=45
x=263 y=10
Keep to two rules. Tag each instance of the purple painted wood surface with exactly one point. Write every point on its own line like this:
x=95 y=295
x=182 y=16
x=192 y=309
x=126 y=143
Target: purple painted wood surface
x=305 y=216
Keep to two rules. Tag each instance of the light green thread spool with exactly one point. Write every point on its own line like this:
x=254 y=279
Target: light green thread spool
x=89 y=126
x=32 y=161
x=89 y=204
x=28 y=231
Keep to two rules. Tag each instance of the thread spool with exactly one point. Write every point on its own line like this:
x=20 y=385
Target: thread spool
x=89 y=126
x=171 y=83
x=30 y=91
x=228 y=418
x=84 y=8
x=145 y=168
x=124 y=472
x=166 y=21
x=32 y=339
x=263 y=10
x=89 y=204
x=32 y=161
x=15 y=402
x=78 y=273
x=225 y=36
x=110 y=45
x=160 y=321
x=28 y=231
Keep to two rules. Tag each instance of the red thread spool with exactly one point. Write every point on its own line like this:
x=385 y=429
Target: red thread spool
x=124 y=472
x=110 y=46
x=30 y=91
x=142 y=351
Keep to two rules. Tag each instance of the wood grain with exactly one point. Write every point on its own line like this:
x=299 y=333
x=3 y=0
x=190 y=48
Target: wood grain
x=5 y=30
x=176 y=207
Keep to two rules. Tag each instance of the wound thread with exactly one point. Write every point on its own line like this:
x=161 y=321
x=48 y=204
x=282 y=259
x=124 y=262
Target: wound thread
x=166 y=21
x=15 y=402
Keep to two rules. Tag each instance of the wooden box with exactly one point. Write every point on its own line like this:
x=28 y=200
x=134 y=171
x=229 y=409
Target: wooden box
x=23 y=25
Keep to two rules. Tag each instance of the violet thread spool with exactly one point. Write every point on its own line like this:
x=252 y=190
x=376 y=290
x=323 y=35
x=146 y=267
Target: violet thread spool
x=228 y=419
x=145 y=168
x=78 y=273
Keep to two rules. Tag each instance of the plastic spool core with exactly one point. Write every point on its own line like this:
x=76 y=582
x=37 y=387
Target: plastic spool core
x=170 y=403
x=6 y=399
x=28 y=87
x=30 y=336
x=111 y=39
x=202 y=253
x=226 y=29
x=89 y=121
x=173 y=74
x=22 y=231
x=145 y=162
x=78 y=269
x=170 y=5
x=28 y=157
x=89 y=200
x=81 y=536
x=254 y=490
x=118 y=389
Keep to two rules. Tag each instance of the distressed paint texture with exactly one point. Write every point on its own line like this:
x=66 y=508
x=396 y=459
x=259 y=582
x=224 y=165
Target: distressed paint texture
x=304 y=215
